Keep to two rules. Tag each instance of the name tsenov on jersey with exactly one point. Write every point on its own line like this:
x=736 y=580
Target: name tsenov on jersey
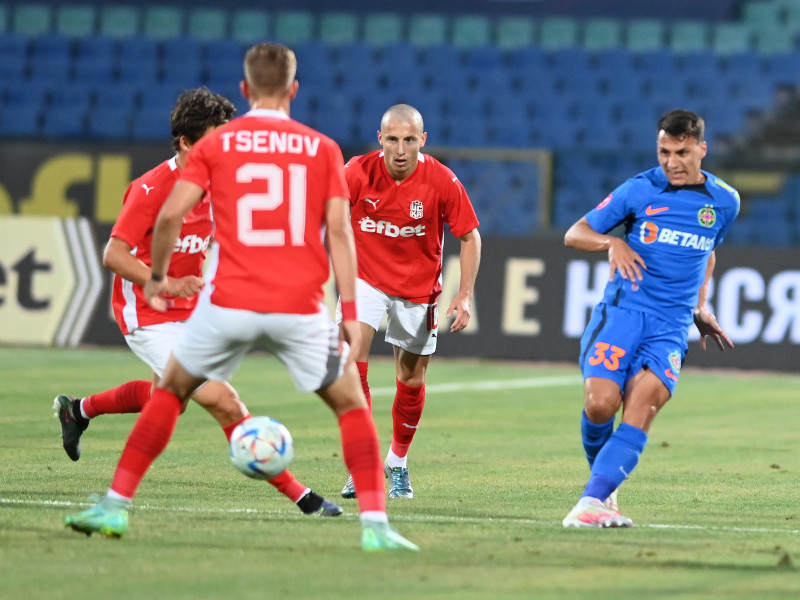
x=389 y=229
x=649 y=232
x=269 y=142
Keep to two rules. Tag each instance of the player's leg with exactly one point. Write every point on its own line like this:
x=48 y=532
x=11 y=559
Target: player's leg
x=315 y=360
x=412 y=329
x=222 y=402
x=361 y=453
x=150 y=435
x=74 y=414
x=372 y=306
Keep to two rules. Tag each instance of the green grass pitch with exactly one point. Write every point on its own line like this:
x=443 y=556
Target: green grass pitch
x=496 y=465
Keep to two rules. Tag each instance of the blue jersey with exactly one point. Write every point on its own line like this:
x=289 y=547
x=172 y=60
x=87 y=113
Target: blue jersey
x=674 y=229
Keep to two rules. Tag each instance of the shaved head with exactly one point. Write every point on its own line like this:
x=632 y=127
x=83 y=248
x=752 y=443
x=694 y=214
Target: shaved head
x=402 y=113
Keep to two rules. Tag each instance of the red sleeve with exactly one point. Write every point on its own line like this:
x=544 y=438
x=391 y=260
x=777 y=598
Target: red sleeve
x=458 y=210
x=197 y=167
x=139 y=211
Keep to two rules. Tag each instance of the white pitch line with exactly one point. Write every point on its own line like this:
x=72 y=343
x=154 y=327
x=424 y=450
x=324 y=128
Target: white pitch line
x=500 y=384
x=404 y=518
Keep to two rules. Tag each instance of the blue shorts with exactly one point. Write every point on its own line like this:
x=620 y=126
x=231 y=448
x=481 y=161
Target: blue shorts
x=618 y=343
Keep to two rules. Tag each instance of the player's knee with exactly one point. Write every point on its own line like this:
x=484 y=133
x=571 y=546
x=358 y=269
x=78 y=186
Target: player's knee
x=601 y=405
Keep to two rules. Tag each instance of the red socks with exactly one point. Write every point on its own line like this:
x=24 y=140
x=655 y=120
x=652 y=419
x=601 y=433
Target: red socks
x=149 y=437
x=362 y=371
x=362 y=457
x=228 y=429
x=406 y=413
x=128 y=398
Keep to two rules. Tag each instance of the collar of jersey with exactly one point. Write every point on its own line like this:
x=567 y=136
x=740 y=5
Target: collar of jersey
x=267 y=112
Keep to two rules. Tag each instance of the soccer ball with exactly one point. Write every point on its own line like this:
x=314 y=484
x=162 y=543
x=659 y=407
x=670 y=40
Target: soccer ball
x=261 y=447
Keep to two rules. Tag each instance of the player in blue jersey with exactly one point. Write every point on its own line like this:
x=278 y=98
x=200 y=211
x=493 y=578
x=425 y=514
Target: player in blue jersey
x=674 y=216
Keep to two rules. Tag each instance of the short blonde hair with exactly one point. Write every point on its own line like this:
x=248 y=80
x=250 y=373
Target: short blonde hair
x=270 y=69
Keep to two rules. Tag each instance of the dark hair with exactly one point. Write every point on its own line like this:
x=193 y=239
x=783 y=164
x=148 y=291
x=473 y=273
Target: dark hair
x=679 y=123
x=195 y=111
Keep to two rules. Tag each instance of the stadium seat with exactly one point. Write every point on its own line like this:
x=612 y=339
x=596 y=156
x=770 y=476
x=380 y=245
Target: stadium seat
x=137 y=60
x=223 y=58
x=294 y=27
x=208 y=23
x=558 y=32
x=471 y=30
x=181 y=61
x=122 y=95
x=427 y=30
x=50 y=59
x=32 y=19
x=149 y=124
x=644 y=35
x=23 y=121
x=601 y=34
x=382 y=29
x=250 y=26
x=163 y=22
x=96 y=46
x=119 y=21
x=62 y=121
x=731 y=38
x=75 y=20
x=13 y=56
x=109 y=123
x=93 y=69
x=338 y=28
x=4 y=20
x=688 y=36
x=515 y=32
x=760 y=15
x=775 y=41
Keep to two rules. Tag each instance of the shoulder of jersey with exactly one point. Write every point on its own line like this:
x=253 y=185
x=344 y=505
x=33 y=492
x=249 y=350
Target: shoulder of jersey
x=719 y=183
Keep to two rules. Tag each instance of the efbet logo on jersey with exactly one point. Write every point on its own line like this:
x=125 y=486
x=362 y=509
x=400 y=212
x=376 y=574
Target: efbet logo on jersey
x=649 y=233
x=389 y=229
x=192 y=244
x=707 y=216
x=415 y=212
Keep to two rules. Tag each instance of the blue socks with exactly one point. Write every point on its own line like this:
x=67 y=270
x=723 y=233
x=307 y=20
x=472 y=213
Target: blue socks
x=594 y=436
x=616 y=461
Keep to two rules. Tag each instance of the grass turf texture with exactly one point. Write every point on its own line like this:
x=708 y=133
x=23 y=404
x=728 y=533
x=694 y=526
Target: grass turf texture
x=494 y=470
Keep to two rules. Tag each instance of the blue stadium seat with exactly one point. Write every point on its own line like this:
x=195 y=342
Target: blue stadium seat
x=150 y=124
x=250 y=26
x=162 y=22
x=76 y=20
x=208 y=23
x=122 y=95
x=110 y=123
x=382 y=29
x=62 y=121
x=181 y=61
x=137 y=60
x=13 y=56
x=119 y=22
x=97 y=70
x=427 y=30
x=32 y=20
x=23 y=121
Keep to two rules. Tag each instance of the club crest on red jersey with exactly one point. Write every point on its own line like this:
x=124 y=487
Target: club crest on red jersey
x=415 y=212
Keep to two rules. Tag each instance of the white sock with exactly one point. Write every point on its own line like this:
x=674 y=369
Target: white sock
x=373 y=516
x=83 y=412
x=392 y=460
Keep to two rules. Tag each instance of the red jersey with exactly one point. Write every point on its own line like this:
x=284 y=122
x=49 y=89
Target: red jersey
x=270 y=179
x=142 y=202
x=399 y=229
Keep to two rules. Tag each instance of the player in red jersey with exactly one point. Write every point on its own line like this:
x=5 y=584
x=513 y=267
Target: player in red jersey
x=278 y=190
x=151 y=333
x=400 y=200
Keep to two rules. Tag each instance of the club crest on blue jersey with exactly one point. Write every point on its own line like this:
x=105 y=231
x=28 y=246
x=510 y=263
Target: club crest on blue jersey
x=416 y=209
x=707 y=216
x=604 y=202
x=674 y=359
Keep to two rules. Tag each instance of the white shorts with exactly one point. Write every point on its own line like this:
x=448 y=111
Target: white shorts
x=153 y=344
x=215 y=340
x=411 y=326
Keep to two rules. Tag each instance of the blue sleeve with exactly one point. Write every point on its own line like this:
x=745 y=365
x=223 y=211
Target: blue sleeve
x=613 y=210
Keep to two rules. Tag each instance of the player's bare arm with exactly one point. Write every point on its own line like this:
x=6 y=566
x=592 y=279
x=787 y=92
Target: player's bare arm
x=704 y=319
x=117 y=257
x=167 y=229
x=343 y=257
x=621 y=257
x=470 y=260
